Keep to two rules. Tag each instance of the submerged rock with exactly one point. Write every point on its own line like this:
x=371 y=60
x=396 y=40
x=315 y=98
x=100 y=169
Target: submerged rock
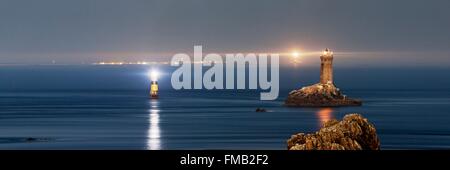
x=260 y=110
x=354 y=132
x=31 y=139
x=319 y=95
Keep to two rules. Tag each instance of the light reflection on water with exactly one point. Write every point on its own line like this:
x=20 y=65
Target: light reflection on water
x=324 y=115
x=154 y=133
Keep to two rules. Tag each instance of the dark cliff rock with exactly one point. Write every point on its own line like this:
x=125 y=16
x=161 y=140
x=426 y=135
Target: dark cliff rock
x=319 y=95
x=354 y=132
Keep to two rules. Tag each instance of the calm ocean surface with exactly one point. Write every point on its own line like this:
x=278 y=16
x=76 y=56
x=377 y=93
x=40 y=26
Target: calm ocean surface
x=91 y=107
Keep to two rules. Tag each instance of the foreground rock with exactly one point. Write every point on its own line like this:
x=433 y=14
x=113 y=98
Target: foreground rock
x=354 y=132
x=319 y=95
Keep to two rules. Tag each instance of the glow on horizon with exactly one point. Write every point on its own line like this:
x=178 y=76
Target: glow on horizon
x=288 y=57
x=154 y=132
x=347 y=57
x=295 y=54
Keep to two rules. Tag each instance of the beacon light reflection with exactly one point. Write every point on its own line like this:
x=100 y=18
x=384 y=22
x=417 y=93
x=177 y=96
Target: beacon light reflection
x=154 y=132
x=154 y=74
x=324 y=115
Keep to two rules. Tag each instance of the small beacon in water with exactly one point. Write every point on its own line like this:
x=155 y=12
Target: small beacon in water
x=154 y=84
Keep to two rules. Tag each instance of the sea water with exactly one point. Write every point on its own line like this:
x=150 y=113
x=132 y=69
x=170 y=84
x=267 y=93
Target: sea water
x=107 y=107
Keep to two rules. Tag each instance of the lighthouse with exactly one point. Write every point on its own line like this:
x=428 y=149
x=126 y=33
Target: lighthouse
x=154 y=84
x=324 y=93
x=326 y=67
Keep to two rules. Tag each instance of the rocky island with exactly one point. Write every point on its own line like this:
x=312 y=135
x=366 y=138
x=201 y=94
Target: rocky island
x=323 y=94
x=319 y=95
x=354 y=132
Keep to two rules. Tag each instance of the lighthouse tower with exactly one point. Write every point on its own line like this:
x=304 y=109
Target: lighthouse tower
x=326 y=67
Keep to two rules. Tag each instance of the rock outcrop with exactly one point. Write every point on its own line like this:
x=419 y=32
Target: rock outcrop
x=319 y=95
x=260 y=110
x=354 y=132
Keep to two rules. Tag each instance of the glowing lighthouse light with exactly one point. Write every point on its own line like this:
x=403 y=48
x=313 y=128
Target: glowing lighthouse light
x=154 y=84
x=153 y=75
x=327 y=52
x=295 y=54
x=295 y=57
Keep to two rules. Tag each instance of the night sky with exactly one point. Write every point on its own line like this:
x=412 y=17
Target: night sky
x=401 y=33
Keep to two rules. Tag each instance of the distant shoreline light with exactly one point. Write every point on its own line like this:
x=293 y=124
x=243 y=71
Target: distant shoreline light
x=130 y=63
